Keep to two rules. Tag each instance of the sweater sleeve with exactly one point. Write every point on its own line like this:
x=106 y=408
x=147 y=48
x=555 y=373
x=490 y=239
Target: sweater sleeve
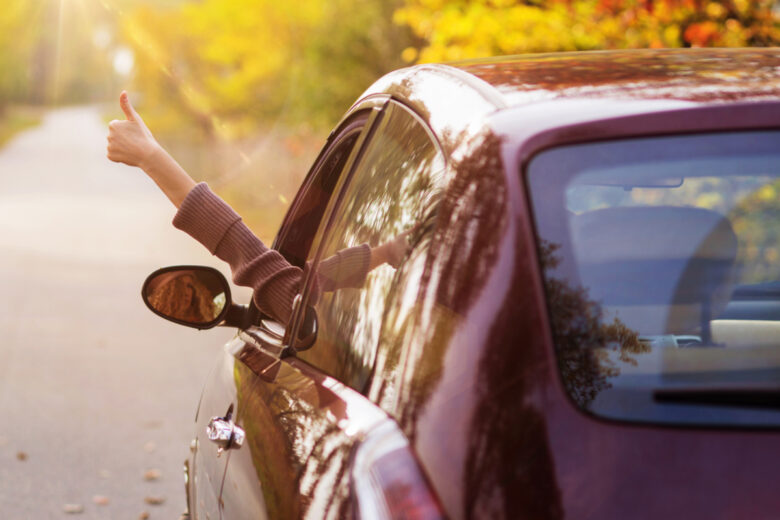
x=213 y=223
x=346 y=268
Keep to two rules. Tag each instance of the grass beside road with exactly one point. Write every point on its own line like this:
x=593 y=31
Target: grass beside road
x=16 y=119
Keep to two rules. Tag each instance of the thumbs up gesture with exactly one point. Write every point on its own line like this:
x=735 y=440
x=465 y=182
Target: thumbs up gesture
x=130 y=141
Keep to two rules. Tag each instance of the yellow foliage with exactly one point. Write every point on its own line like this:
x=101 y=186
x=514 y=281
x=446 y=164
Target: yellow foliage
x=19 y=31
x=472 y=28
x=227 y=66
x=767 y=193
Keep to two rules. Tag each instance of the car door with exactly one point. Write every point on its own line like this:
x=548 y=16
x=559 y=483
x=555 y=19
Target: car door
x=268 y=398
x=207 y=464
x=306 y=412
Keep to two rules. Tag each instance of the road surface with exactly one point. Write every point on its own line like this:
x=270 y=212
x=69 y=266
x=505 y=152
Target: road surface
x=95 y=390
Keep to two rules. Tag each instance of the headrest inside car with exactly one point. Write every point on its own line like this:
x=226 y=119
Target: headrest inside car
x=658 y=269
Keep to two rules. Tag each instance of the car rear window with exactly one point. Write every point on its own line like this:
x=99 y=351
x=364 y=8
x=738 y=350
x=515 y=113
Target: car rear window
x=661 y=262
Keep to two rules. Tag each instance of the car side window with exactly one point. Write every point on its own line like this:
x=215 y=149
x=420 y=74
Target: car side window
x=303 y=218
x=384 y=205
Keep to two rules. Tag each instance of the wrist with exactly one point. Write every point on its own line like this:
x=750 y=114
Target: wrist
x=152 y=159
x=377 y=256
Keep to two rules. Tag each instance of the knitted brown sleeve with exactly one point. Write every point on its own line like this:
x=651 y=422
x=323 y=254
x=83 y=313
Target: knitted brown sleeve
x=346 y=268
x=213 y=223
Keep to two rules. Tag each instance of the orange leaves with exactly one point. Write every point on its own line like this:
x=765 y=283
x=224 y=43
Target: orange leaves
x=702 y=34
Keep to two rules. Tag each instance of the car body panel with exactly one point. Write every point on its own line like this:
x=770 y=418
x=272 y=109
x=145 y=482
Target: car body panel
x=585 y=85
x=475 y=384
x=300 y=429
x=595 y=458
x=207 y=469
x=695 y=75
x=454 y=407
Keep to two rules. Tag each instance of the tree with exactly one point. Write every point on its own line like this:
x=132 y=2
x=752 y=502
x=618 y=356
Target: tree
x=461 y=29
x=229 y=65
x=18 y=35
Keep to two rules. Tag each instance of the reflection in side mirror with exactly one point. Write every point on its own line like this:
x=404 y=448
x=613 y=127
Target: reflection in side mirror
x=194 y=296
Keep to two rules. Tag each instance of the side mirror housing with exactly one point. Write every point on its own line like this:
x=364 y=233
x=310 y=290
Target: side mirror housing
x=191 y=295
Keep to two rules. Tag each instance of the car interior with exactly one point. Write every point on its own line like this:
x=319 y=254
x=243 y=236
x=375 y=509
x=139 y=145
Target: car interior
x=681 y=254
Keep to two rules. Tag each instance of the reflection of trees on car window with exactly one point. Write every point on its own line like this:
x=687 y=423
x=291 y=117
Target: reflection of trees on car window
x=754 y=219
x=451 y=257
x=582 y=339
x=464 y=247
x=397 y=179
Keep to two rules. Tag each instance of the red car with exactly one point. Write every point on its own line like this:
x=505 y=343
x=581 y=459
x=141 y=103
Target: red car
x=585 y=324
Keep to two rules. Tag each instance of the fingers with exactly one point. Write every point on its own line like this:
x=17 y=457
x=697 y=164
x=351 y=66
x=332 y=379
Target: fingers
x=118 y=139
x=127 y=107
x=112 y=153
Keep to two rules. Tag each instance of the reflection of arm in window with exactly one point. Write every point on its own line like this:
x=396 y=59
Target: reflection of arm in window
x=391 y=252
x=349 y=267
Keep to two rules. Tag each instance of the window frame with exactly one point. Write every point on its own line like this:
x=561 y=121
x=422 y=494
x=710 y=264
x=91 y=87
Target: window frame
x=372 y=109
x=335 y=205
x=354 y=123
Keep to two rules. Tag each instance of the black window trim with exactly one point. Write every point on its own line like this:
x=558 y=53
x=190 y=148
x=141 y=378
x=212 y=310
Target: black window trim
x=336 y=202
x=372 y=122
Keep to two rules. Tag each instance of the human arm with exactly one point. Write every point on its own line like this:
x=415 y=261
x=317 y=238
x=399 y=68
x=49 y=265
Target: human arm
x=206 y=217
x=213 y=223
x=350 y=266
x=391 y=252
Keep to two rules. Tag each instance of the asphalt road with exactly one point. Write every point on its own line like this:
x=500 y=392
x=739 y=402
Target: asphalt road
x=94 y=389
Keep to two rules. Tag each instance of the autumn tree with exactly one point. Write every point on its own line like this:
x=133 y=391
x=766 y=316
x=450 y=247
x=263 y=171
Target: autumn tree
x=461 y=29
x=55 y=52
x=228 y=65
x=17 y=49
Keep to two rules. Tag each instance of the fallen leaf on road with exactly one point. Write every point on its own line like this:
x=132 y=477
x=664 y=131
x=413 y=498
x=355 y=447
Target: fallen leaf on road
x=100 y=500
x=21 y=455
x=149 y=447
x=144 y=516
x=154 y=500
x=73 y=509
x=152 y=474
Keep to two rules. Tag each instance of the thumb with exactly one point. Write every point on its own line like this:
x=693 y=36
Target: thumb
x=127 y=108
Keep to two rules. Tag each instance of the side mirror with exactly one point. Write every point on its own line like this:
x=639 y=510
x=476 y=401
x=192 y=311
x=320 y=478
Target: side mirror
x=191 y=295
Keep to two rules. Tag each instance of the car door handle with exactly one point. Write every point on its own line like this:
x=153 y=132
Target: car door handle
x=223 y=432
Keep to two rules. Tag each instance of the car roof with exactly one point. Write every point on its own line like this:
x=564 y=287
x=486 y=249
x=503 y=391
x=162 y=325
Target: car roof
x=696 y=75
x=548 y=90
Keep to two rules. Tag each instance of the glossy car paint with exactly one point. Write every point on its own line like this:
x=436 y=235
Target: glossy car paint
x=207 y=469
x=478 y=394
x=687 y=472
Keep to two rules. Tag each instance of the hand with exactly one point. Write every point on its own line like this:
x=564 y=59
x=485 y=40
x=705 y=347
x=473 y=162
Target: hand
x=391 y=252
x=130 y=142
